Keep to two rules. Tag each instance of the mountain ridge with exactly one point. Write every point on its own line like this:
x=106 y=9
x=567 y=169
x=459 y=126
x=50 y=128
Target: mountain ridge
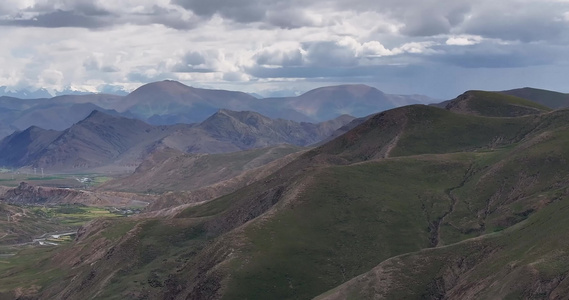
x=171 y=102
x=102 y=139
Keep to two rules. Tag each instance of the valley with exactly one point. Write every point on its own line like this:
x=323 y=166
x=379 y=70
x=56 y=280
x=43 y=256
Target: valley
x=464 y=199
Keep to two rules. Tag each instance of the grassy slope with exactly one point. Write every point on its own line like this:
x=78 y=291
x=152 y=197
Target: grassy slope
x=526 y=261
x=526 y=183
x=492 y=104
x=344 y=220
x=171 y=170
x=24 y=224
x=310 y=234
x=347 y=219
x=487 y=101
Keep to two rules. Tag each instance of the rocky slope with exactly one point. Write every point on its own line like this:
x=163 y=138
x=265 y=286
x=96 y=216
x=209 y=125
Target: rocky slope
x=26 y=194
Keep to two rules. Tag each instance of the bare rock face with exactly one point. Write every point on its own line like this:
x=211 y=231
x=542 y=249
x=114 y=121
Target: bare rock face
x=29 y=194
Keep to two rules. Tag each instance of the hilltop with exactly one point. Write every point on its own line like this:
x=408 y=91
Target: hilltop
x=550 y=99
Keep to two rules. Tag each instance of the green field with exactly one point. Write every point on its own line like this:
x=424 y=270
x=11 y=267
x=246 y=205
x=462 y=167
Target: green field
x=13 y=178
x=72 y=215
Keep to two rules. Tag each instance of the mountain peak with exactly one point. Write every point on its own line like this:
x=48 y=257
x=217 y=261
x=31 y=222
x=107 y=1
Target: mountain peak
x=169 y=85
x=358 y=90
x=548 y=98
x=96 y=114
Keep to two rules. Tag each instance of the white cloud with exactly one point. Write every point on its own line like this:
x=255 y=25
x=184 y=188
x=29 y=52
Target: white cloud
x=463 y=40
x=128 y=42
x=416 y=48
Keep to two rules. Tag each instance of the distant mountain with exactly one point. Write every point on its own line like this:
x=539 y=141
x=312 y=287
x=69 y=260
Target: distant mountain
x=356 y=100
x=56 y=116
x=24 y=93
x=252 y=130
x=44 y=93
x=20 y=148
x=171 y=102
x=102 y=139
x=97 y=140
x=54 y=113
x=550 y=99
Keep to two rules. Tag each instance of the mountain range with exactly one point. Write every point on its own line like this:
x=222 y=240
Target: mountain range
x=103 y=140
x=44 y=93
x=467 y=200
x=171 y=102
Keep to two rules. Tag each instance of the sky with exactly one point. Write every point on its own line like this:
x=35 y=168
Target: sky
x=274 y=47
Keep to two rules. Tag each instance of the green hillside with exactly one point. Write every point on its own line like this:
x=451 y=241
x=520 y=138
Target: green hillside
x=426 y=203
x=492 y=104
x=526 y=261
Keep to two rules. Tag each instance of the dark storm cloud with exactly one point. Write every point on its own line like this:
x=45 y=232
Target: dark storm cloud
x=86 y=14
x=59 y=19
x=426 y=24
x=243 y=11
x=509 y=20
x=270 y=13
x=289 y=18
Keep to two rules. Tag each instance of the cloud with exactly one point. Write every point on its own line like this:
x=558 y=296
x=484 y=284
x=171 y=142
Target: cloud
x=268 y=57
x=193 y=62
x=95 y=63
x=92 y=43
x=494 y=55
x=292 y=18
x=463 y=40
x=97 y=15
x=58 y=19
x=519 y=20
x=244 y=11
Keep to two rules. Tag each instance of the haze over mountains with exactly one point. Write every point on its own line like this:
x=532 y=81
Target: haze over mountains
x=105 y=140
x=170 y=102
